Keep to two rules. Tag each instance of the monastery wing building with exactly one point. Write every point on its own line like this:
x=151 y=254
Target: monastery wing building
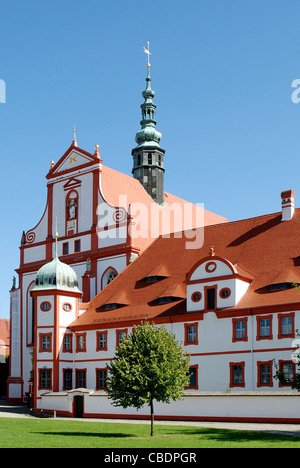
x=232 y=303
x=105 y=219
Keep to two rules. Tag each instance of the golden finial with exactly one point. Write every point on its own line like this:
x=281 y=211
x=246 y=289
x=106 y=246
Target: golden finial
x=97 y=154
x=212 y=251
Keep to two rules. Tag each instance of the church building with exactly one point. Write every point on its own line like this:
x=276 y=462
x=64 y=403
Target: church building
x=111 y=251
x=105 y=220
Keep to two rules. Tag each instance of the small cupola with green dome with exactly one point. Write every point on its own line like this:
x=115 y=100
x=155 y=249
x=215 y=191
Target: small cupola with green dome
x=56 y=275
x=148 y=156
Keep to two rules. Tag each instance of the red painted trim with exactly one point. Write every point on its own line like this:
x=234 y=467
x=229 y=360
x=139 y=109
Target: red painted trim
x=186 y=327
x=39 y=377
x=268 y=337
x=195 y=366
x=100 y=369
x=102 y=332
x=280 y=364
x=234 y=321
x=220 y=278
x=194 y=296
x=118 y=331
x=231 y=365
x=52 y=172
x=41 y=336
x=222 y=290
x=78 y=335
x=206 y=289
x=280 y=317
x=64 y=350
x=45 y=310
x=208 y=266
x=210 y=259
x=266 y=363
x=159 y=417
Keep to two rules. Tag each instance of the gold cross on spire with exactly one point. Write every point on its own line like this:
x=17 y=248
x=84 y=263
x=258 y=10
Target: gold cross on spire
x=147 y=51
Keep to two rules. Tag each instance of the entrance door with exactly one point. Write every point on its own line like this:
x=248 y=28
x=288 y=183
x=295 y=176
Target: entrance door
x=79 y=406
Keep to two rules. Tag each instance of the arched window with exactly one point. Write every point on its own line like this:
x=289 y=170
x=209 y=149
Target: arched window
x=107 y=277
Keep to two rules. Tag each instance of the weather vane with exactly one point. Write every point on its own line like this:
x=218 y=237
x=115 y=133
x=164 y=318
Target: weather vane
x=147 y=51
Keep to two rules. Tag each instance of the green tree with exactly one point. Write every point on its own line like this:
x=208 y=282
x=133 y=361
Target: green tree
x=149 y=365
x=292 y=381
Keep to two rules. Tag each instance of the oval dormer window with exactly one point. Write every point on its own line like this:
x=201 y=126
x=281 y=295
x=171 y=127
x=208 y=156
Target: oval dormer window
x=210 y=267
x=225 y=293
x=45 y=306
x=196 y=296
x=67 y=307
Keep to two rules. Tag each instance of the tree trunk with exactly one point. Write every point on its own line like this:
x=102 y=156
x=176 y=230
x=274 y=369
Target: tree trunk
x=152 y=417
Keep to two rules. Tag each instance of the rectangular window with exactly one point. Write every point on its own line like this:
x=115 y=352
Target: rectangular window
x=210 y=298
x=286 y=325
x=288 y=368
x=67 y=344
x=65 y=248
x=239 y=329
x=193 y=376
x=264 y=328
x=237 y=374
x=101 y=376
x=101 y=341
x=45 y=342
x=264 y=377
x=191 y=334
x=81 y=342
x=81 y=378
x=45 y=379
x=67 y=385
x=77 y=245
x=121 y=334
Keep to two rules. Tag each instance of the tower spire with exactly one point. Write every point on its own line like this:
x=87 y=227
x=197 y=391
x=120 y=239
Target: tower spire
x=148 y=155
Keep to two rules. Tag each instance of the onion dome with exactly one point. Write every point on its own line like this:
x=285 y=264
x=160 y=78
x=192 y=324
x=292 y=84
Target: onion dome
x=148 y=135
x=56 y=275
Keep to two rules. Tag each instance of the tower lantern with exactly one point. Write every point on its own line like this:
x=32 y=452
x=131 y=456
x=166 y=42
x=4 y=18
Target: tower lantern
x=148 y=156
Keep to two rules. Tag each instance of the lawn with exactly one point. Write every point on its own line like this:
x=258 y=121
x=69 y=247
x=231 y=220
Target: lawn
x=53 y=433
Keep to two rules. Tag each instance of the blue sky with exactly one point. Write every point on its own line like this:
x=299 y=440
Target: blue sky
x=222 y=71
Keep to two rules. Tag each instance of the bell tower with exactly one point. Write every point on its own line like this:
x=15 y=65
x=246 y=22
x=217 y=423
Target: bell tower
x=148 y=156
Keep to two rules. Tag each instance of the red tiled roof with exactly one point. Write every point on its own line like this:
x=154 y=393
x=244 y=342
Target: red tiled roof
x=264 y=249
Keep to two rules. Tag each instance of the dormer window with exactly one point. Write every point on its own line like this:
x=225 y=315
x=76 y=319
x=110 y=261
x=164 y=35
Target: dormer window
x=214 y=283
x=275 y=287
x=165 y=300
x=149 y=280
x=110 y=306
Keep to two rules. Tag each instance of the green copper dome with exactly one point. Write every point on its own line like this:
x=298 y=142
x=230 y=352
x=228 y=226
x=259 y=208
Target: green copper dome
x=56 y=275
x=148 y=135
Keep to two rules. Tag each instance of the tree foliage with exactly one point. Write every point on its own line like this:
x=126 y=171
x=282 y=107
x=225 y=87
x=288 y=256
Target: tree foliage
x=149 y=365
